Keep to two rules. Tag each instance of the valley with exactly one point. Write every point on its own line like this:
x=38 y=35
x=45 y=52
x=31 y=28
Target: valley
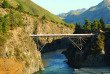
x=95 y=12
x=87 y=52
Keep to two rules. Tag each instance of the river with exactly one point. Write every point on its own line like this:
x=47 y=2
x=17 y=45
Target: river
x=54 y=64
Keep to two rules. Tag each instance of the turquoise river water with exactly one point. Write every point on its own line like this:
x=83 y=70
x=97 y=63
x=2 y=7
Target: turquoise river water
x=54 y=64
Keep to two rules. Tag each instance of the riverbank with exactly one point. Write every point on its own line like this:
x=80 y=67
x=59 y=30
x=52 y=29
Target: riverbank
x=54 y=64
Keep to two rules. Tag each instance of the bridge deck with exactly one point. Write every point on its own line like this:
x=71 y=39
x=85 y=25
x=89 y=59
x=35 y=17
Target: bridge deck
x=61 y=35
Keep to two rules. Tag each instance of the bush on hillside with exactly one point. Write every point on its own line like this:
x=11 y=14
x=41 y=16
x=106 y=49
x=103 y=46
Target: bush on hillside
x=2 y=40
x=20 y=8
x=72 y=26
x=43 y=17
x=5 y=4
x=98 y=46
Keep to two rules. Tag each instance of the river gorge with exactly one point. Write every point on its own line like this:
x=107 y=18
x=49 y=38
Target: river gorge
x=54 y=63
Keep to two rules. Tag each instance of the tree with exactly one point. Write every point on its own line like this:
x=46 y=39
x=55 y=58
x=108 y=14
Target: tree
x=98 y=45
x=102 y=22
x=5 y=4
x=72 y=25
x=87 y=25
x=95 y=24
x=78 y=26
x=92 y=26
x=99 y=25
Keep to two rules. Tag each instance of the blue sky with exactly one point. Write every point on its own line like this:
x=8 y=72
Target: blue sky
x=62 y=6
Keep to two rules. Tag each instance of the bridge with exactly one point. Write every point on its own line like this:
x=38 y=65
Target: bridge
x=77 y=39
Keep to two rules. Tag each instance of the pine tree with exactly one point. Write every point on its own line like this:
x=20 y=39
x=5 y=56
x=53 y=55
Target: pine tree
x=99 y=25
x=92 y=26
x=87 y=25
x=78 y=26
x=102 y=22
x=95 y=24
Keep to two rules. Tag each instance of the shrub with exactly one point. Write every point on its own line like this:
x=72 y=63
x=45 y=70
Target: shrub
x=4 y=27
x=27 y=64
x=17 y=52
x=36 y=15
x=43 y=17
x=56 y=22
x=2 y=40
x=5 y=4
x=98 y=45
x=20 y=8
x=52 y=21
x=10 y=54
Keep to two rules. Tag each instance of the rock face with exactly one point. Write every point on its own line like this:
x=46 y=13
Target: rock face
x=107 y=47
x=90 y=56
x=22 y=48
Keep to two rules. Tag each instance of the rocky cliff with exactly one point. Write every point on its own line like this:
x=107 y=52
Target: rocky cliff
x=92 y=54
x=22 y=48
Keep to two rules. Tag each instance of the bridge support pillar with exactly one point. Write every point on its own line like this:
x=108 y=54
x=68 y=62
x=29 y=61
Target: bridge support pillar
x=78 y=42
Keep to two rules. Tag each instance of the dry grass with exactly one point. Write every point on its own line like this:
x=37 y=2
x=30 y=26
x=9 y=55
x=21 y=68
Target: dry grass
x=9 y=66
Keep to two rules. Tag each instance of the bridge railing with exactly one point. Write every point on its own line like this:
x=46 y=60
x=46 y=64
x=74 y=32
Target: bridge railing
x=76 y=39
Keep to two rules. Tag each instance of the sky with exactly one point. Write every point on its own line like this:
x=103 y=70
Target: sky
x=64 y=6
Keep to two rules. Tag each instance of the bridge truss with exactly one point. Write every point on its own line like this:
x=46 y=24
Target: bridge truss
x=77 y=40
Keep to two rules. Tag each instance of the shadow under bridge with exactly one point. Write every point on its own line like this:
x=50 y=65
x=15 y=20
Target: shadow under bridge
x=76 y=39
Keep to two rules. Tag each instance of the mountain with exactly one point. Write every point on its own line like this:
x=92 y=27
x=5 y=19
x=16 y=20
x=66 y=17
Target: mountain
x=18 y=50
x=33 y=8
x=71 y=12
x=95 y=12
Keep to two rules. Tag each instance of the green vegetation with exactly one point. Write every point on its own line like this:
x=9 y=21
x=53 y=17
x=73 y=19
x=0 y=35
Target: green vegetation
x=92 y=26
x=27 y=64
x=87 y=25
x=107 y=26
x=2 y=40
x=28 y=7
x=103 y=24
x=43 y=17
x=78 y=26
x=20 y=8
x=5 y=4
x=24 y=56
x=10 y=54
x=10 y=21
x=96 y=25
x=98 y=46
x=17 y=52
x=34 y=9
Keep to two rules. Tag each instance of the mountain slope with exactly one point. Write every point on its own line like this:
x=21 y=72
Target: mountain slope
x=71 y=12
x=34 y=9
x=15 y=42
x=96 y=12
